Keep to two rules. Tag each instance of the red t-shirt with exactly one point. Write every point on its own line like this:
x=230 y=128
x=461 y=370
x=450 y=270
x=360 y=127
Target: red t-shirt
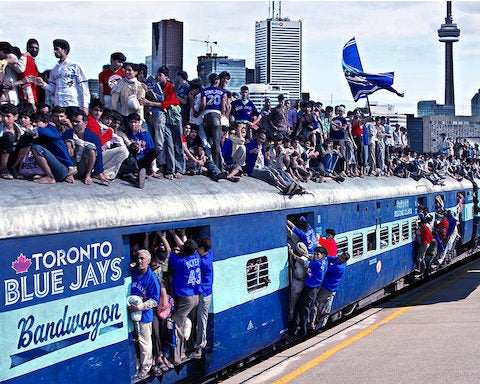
x=109 y=79
x=94 y=126
x=357 y=129
x=330 y=244
x=30 y=70
x=426 y=234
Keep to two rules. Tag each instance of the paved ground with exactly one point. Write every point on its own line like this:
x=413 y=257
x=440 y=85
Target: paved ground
x=428 y=335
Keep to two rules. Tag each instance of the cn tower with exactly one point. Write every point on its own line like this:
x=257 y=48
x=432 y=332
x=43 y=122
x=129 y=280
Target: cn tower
x=448 y=34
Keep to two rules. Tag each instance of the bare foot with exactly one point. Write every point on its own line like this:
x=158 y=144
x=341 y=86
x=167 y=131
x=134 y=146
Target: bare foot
x=45 y=180
x=69 y=179
x=88 y=180
x=72 y=171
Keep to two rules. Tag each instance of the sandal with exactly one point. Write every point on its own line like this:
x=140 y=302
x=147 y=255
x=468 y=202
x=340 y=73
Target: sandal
x=5 y=174
x=169 y=176
x=178 y=175
x=157 y=370
x=157 y=175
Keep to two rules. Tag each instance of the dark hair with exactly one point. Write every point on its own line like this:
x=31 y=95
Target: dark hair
x=9 y=108
x=107 y=113
x=58 y=109
x=224 y=75
x=133 y=65
x=196 y=83
x=94 y=102
x=118 y=56
x=205 y=243
x=243 y=88
x=189 y=247
x=330 y=231
x=302 y=224
x=133 y=117
x=163 y=69
x=40 y=117
x=212 y=78
x=143 y=68
x=26 y=109
x=321 y=250
x=183 y=75
x=5 y=46
x=32 y=41
x=80 y=113
x=17 y=52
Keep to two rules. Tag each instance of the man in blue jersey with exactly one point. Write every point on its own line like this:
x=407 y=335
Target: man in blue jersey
x=244 y=112
x=315 y=275
x=337 y=266
x=206 y=268
x=213 y=106
x=186 y=283
x=305 y=233
x=145 y=285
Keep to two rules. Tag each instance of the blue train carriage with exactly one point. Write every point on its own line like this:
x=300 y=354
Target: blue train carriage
x=66 y=254
x=65 y=273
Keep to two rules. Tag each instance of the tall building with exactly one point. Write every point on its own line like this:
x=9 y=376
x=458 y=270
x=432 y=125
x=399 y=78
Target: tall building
x=278 y=54
x=475 y=104
x=448 y=34
x=167 y=45
x=212 y=63
x=430 y=107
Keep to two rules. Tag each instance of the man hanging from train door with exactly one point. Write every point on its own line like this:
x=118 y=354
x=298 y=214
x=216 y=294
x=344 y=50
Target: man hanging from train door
x=145 y=285
x=323 y=303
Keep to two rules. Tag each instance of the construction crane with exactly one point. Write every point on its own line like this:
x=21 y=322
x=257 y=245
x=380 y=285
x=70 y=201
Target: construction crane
x=208 y=44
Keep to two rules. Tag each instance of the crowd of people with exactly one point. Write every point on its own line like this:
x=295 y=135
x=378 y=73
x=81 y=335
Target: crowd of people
x=172 y=278
x=165 y=126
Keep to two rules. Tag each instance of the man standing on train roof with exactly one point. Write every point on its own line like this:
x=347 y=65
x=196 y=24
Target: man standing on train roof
x=304 y=232
x=108 y=78
x=68 y=82
x=329 y=242
x=323 y=303
x=145 y=285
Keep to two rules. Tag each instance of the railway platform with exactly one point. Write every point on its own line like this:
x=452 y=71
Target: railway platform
x=426 y=335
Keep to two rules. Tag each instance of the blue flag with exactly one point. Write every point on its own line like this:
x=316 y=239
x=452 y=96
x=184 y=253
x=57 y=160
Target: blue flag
x=362 y=83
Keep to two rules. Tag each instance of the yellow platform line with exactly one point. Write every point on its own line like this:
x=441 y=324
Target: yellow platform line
x=332 y=351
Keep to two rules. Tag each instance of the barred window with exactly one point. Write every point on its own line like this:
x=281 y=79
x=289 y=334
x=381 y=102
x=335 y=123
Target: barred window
x=342 y=244
x=405 y=230
x=357 y=245
x=395 y=234
x=257 y=273
x=372 y=241
x=383 y=237
x=414 y=228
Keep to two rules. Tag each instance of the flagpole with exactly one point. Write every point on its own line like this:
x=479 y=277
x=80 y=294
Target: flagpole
x=368 y=106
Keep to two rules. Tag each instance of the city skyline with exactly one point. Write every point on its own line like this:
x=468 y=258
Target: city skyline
x=397 y=36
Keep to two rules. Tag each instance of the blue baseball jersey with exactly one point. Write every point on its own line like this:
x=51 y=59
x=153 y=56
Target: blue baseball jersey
x=214 y=98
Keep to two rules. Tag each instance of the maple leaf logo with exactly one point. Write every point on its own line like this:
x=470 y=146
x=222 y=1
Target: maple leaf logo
x=22 y=264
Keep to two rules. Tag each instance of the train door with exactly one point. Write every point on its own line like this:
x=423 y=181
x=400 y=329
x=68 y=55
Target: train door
x=176 y=328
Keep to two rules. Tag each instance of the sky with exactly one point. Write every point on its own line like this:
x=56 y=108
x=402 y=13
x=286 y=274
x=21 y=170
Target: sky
x=399 y=36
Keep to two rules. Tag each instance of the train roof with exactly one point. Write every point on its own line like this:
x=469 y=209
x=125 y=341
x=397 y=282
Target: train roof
x=29 y=209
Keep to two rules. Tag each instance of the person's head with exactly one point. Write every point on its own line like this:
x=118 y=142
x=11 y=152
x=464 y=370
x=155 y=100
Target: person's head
x=5 y=49
x=189 y=247
x=261 y=138
x=79 y=121
x=162 y=75
x=9 y=115
x=224 y=79
x=116 y=60
x=204 y=245
x=196 y=84
x=244 y=91
x=288 y=103
x=193 y=131
x=142 y=72
x=343 y=257
x=281 y=99
x=33 y=47
x=182 y=77
x=58 y=115
x=330 y=233
x=131 y=70
x=134 y=122
x=267 y=102
x=106 y=117
x=117 y=120
x=143 y=257
x=25 y=113
x=302 y=222
x=61 y=48
x=214 y=79
x=96 y=108
x=319 y=253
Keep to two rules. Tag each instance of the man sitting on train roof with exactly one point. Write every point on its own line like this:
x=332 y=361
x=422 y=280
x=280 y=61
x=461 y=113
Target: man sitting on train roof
x=142 y=153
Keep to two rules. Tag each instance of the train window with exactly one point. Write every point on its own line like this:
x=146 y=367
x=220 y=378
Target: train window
x=383 y=237
x=342 y=244
x=257 y=273
x=357 y=245
x=372 y=240
x=395 y=234
x=414 y=229
x=439 y=203
x=405 y=230
x=378 y=205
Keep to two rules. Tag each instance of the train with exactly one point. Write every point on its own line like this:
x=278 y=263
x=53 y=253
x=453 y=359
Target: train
x=66 y=253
